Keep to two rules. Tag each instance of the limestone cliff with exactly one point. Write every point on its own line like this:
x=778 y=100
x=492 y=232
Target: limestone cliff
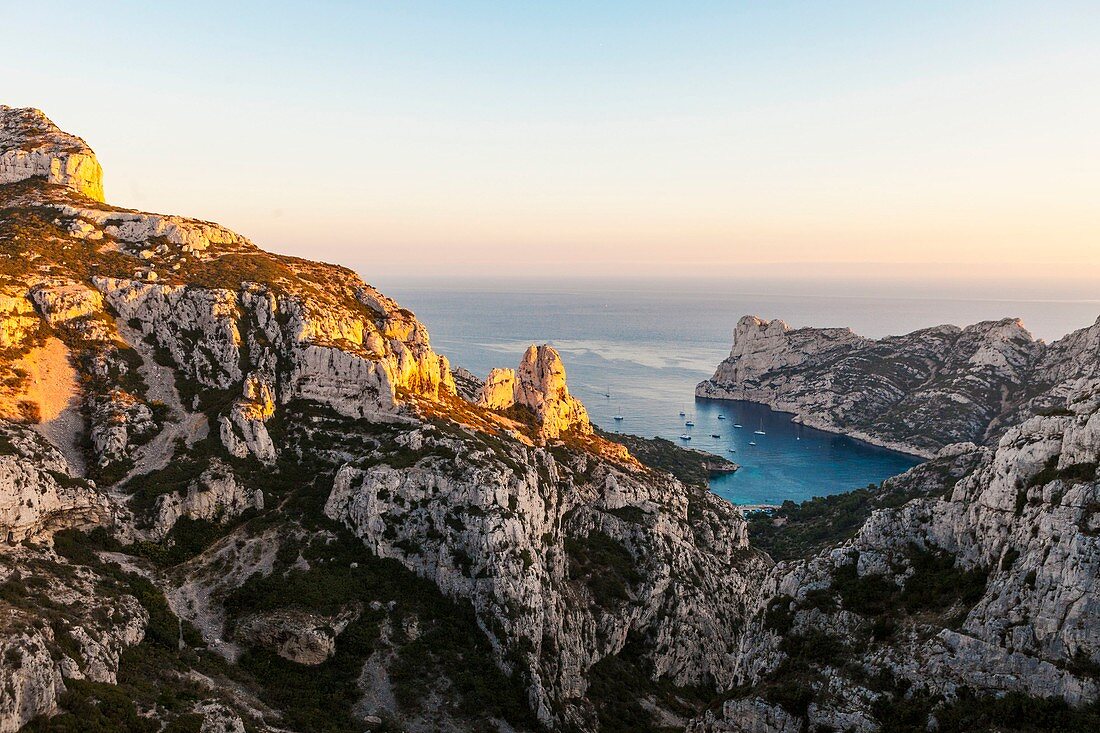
x=988 y=585
x=539 y=387
x=918 y=392
x=31 y=146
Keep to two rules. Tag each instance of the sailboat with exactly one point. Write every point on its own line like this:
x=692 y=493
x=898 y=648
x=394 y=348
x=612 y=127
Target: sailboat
x=618 y=417
x=752 y=442
x=685 y=436
x=682 y=413
x=761 y=430
x=721 y=416
x=738 y=425
x=690 y=424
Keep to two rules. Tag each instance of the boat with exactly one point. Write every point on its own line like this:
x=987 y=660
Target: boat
x=682 y=413
x=752 y=442
x=761 y=430
x=690 y=424
x=685 y=436
x=737 y=425
x=715 y=435
x=721 y=417
x=733 y=450
x=618 y=417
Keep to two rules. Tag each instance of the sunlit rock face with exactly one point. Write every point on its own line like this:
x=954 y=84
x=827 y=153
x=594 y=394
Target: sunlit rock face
x=539 y=386
x=32 y=146
x=499 y=390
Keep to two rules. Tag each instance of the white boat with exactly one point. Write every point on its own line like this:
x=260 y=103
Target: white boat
x=690 y=424
x=618 y=417
x=752 y=442
x=759 y=432
x=721 y=417
x=733 y=450
x=737 y=425
x=685 y=436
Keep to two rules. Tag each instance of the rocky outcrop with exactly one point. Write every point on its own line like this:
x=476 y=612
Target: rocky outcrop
x=79 y=633
x=32 y=146
x=215 y=496
x=300 y=636
x=538 y=386
x=38 y=496
x=916 y=393
x=499 y=390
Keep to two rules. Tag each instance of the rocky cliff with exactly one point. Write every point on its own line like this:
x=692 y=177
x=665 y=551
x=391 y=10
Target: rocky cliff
x=969 y=603
x=916 y=393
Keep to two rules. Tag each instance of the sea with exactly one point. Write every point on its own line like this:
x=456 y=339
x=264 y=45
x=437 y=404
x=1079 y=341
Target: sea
x=637 y=348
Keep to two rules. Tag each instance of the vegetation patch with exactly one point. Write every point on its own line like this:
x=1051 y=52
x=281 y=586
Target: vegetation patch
x=604 y=565
x=448 y=649
x=692 y=467
x=618 y=683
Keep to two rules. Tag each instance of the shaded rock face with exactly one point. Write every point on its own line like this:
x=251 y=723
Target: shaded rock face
x=38 y=496
x=301 y=637
x=88 y=630
x=990 y=584
x=916 y=393
x=524 y=541
x=539 y=386
x=216 y=496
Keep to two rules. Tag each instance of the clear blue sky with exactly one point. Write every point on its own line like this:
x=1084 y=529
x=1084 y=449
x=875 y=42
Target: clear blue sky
x=592 y=138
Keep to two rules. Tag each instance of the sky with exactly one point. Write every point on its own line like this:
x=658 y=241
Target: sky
x=559 y=139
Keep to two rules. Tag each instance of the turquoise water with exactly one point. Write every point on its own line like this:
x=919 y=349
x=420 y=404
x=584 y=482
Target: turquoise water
x=649 y=346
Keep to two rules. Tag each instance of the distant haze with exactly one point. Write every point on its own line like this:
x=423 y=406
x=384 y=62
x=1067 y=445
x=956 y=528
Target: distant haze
x=825 y=140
